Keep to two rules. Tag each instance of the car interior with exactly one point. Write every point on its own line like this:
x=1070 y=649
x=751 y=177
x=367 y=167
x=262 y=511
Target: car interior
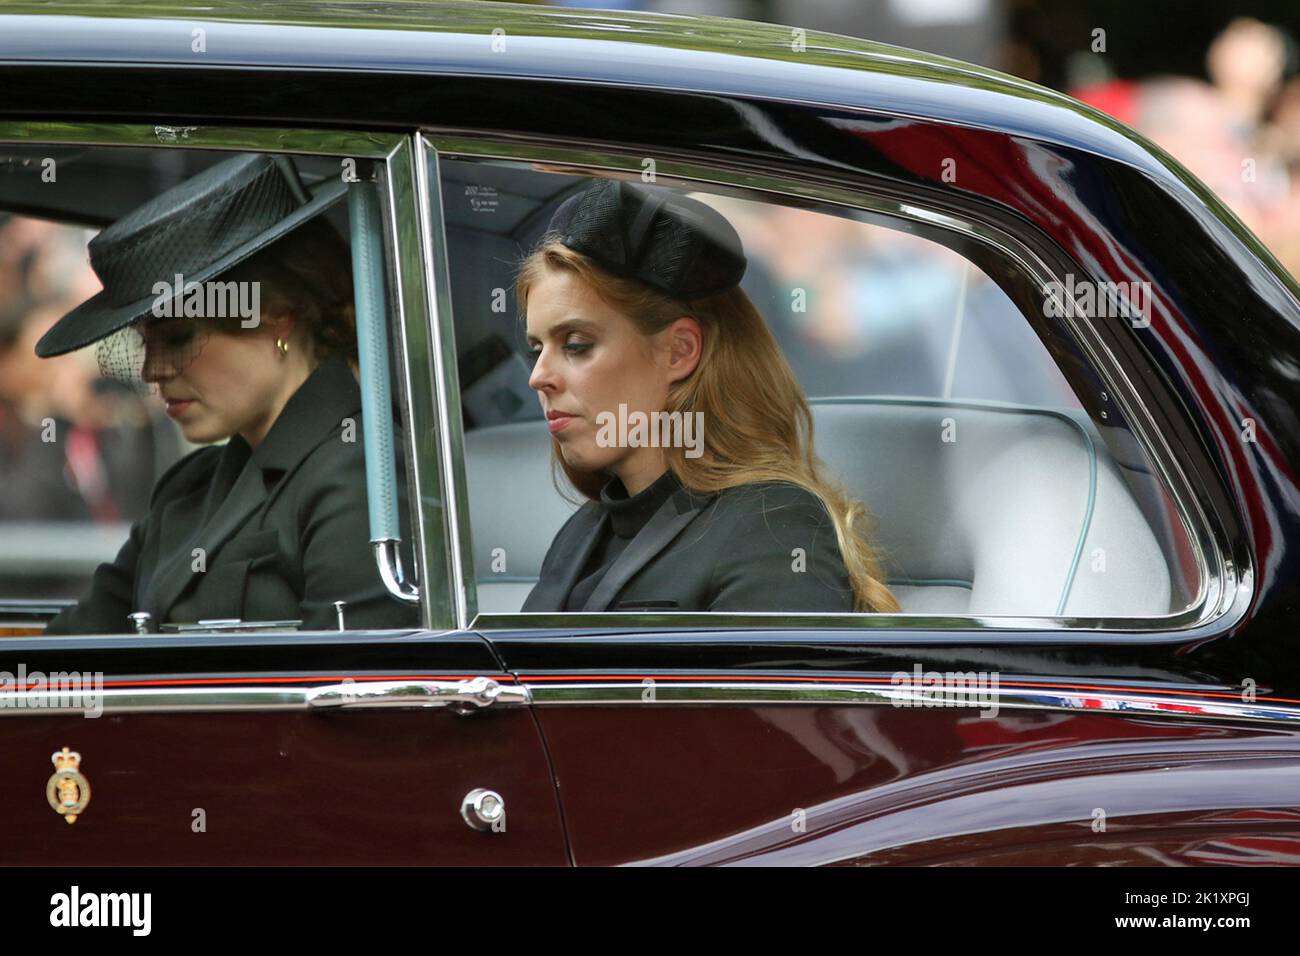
x=53 y=542
x=1032 y=511
x=1001 y=523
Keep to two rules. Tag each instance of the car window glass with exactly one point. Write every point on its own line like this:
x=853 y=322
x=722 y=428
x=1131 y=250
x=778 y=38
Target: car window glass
x=935 y=404
x=858 y=307
x=85 y=436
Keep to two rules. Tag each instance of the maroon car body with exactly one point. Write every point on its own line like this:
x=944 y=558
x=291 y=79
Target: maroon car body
x=690 y=739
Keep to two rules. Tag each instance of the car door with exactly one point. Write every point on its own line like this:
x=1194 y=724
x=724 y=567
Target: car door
x=289 y=749
x=808 y=748
x=1042 y=706
x=269 y=746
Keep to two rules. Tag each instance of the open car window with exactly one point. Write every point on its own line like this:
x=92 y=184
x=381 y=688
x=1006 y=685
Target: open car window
x=935 y=402
x=86 y=436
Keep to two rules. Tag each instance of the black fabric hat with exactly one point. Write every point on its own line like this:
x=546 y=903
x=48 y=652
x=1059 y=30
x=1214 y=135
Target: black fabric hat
x=197 y=229
x=675 y=244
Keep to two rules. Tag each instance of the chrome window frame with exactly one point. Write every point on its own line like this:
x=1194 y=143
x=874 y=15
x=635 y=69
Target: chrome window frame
x=415 y=340
x=1225 y=586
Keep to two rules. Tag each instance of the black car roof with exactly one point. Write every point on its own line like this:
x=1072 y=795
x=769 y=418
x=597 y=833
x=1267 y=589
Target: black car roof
x=646 y=50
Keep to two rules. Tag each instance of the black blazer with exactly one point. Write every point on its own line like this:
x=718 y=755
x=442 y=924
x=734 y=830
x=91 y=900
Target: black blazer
x=284 y=529
x=734 y=550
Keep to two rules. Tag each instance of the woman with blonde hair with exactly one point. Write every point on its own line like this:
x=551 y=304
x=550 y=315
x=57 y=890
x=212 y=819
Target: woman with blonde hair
x=674 y=413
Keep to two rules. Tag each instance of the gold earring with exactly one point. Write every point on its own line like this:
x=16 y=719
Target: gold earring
x=283 y=346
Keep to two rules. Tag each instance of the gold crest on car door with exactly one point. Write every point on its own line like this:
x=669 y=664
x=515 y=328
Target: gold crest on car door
x=68 y=791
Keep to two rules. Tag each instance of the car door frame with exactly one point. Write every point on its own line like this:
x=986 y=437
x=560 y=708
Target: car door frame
x=597 y=678
x=1225 y=568
x=287 y=689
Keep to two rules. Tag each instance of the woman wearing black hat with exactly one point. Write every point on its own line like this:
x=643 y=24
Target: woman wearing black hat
x=634 y=314
x=273 y=524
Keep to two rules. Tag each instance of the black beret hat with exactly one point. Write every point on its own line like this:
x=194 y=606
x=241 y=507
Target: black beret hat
x=677 y=245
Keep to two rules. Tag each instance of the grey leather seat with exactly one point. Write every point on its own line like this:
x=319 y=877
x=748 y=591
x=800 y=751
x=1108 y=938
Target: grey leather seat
x=1022 y=513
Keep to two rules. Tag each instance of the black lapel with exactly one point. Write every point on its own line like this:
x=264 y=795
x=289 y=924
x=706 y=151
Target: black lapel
x=319 y=408
x=245 y=497
x=673 y=515
x=575 y=545
x=176 y=525
x=313 y=414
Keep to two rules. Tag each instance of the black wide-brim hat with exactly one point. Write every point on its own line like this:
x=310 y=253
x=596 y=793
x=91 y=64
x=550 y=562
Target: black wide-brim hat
x=675 y=244
x=198 y=229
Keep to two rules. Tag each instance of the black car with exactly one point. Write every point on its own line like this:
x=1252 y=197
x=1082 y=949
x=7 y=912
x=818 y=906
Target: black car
x=1060 y=373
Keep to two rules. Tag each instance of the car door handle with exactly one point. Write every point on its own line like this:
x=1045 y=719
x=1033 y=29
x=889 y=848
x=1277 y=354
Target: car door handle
x=462 y=696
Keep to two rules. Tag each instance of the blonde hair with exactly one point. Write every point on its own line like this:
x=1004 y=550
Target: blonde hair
x=760 y=427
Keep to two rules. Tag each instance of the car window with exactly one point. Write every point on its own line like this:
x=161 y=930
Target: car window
x=858 y=307
x=81 y=451
x=96 y=441
x=934 y=402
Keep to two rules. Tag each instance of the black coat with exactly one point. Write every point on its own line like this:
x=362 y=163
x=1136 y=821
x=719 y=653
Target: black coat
x=283 y=529
x=766 y=546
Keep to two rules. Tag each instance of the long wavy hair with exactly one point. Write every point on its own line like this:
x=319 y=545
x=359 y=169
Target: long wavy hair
x=760 y=427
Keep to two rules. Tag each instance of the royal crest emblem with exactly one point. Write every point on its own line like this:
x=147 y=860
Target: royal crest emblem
x=68 y=791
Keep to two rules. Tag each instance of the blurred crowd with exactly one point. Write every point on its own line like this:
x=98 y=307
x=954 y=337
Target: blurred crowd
x=73 y=446
x=1238 y=132
x=860 y=308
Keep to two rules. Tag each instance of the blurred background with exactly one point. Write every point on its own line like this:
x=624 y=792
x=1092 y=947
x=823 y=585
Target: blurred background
x=1216 y=83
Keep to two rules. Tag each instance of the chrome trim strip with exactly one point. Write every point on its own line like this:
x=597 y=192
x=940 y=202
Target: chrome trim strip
x=1225 y=587
x=178 y=700
x=54 y=703
x=756 y=693
x=371 y=282
x=353 y=143
x=418 y=354
x=446 y=380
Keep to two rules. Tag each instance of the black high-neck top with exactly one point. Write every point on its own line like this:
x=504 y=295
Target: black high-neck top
x=627 y=516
